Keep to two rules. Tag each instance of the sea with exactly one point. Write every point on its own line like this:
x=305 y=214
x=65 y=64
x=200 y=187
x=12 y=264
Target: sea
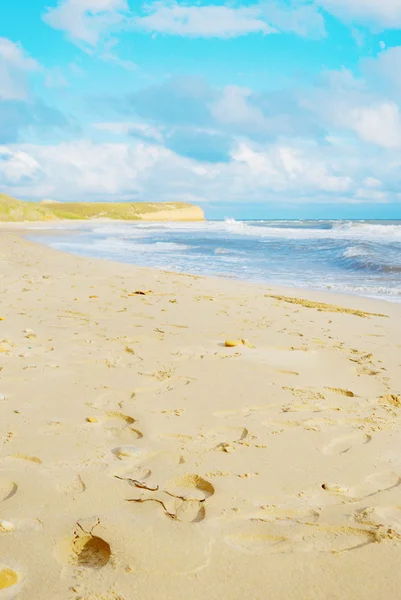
x=352 y=257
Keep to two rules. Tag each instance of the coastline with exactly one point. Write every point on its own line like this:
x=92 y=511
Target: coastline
x=318 y=295
x=104 y=388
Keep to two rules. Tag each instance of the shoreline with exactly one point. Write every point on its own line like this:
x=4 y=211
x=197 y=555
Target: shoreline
x=317 y=295
x=140 y=453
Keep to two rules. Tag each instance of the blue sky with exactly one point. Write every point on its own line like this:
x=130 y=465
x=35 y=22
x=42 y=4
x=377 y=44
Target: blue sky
x=284 y=108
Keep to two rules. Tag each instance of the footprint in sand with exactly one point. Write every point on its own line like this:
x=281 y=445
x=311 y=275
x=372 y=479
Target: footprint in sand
x=378 y=483
x=278 y=538
x=190 y=511
x=20 y=525
x=287 y=514
x=305 y=407
x=8 y=577
x=182 y=499
x=388 y=517
x=190 y=493
x=334 y=539
x=135 y=474
x=227 y=434
x=8 y=489
x=72 y=485
x=120 y=425
x=128 y=452
x=337 y=489
x=90 y=551
x=343 y=444
x=258 y=537
x=84 y=550
x=190 y=487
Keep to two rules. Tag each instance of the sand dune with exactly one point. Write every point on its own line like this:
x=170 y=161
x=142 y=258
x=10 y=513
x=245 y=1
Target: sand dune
x=15 y=211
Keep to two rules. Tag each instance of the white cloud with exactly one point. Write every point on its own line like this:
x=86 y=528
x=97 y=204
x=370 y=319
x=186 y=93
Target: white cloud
x=83 y=169
x=305 y=20
x=203 y=21
x=371 y=195
x=380 y=14
x=386 y=67
x=344 y=103
x=233 y=108
x=14 y=67
x=380 y=125
x=86 y=20
x=222 y=21
x=372 y=182
x=17 y=166
x=286 y=168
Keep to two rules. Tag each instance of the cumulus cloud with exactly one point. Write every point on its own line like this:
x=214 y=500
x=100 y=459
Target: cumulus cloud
x=385 y=69
x=192 y=20
x=347 y=104
x=279 y=172
x=196 y=116
x=20 y=109
x=203 y=21
x=380 y=125
x=379 y=14
x=86 y=20
x=15 y=64
x=17 y=167
x=291 y=168
x=304 y=20
x=234 y=108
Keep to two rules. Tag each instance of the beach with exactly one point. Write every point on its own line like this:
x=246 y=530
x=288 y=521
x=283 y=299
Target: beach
x=142 y=456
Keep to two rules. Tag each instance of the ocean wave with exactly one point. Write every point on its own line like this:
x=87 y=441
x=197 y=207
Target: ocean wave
x=351 y=257
x=364 y=258
x=344 y=230
x=222 y=251
x=265 y=230
x=118 y=245
x=353 y=251
x=168 y=246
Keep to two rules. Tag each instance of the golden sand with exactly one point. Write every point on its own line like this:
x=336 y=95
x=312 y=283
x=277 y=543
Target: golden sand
x=322 y=306
x=142 y=456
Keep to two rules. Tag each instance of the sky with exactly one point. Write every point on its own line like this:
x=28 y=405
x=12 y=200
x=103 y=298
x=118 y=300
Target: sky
x=270 y=109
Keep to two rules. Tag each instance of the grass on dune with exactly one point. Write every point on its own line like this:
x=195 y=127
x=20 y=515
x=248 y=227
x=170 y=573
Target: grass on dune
x=13 y=210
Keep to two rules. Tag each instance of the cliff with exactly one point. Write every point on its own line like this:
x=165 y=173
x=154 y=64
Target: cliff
x=12 y=210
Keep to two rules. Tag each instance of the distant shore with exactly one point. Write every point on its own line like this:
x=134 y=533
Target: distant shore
x=171 y=432
x=14 y=210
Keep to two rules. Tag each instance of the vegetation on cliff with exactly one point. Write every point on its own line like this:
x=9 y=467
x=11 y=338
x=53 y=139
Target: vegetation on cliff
x=13 y=210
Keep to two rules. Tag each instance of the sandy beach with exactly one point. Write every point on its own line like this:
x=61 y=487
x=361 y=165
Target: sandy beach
x=143 y=458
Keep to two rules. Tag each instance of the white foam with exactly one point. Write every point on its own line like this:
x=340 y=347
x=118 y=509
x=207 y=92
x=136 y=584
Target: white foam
x=241 y=249
x=354 y=251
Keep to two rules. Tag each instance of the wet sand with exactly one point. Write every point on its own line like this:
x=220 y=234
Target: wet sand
x=142 y=457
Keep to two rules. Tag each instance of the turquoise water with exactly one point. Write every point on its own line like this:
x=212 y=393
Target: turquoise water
x=358 y=257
